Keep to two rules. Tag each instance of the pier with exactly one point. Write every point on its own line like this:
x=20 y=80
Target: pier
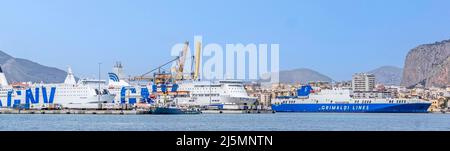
x=100 y=112
x=124 y=112
x=237 y=112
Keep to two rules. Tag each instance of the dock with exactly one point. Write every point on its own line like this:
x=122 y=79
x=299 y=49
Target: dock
x=440 y=112
x=125 y=112
x=237 y=112
x=100 y=112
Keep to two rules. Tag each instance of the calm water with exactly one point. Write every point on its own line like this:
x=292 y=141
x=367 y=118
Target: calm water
x=228 y=122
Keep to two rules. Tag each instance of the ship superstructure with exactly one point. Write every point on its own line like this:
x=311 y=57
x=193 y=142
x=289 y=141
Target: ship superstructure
x=84 y=94
x=216 y=93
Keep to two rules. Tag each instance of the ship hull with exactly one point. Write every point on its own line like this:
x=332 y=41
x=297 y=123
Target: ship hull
x=165 y=110
x=354 y=108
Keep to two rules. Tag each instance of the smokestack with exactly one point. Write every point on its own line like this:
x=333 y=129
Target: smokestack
x=70 y=79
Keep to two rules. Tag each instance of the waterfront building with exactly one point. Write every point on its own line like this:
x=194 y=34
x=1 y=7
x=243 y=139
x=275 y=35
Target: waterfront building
x=320 y=84
x=363 y=82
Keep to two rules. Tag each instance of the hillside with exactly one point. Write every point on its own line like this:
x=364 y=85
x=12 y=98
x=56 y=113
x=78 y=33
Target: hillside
x=22 y=70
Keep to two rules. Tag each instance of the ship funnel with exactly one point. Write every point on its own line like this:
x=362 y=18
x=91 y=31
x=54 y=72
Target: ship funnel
x=3 y=81
x=118 y=70
x=113 y=77
x=116 y=78
x=304 y=90
x=70 y=79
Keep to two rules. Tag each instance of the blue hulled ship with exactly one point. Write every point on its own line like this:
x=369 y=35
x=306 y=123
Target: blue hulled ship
x=341 y=100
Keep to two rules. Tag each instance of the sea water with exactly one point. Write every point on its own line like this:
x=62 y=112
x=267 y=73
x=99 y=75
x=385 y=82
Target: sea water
x=228 y=122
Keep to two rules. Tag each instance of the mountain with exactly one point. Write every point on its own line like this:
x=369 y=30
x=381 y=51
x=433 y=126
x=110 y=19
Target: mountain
x=22 y=70
x=428 y=65
x=388 y=75
x=302 y=75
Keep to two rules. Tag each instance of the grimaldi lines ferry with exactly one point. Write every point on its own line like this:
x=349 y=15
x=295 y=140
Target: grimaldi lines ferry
x=85 y=94
x=341 y=100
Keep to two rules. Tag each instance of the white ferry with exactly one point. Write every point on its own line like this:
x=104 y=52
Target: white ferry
x=222 y=92
x=186 y=92
x=86 y=94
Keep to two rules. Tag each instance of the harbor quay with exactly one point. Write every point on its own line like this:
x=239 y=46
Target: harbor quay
x=75 y=111
x=135 y=109
x=123 y=112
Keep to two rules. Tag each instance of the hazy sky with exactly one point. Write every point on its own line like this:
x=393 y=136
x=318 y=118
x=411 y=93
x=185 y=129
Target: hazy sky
x=334 y=37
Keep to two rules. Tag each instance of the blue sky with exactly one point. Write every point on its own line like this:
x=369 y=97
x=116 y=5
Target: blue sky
x=334 y=37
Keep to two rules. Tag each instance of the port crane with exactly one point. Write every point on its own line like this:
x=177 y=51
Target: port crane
x=162 y=81
x=144 y=76
x=181 y=62
x=177 y=71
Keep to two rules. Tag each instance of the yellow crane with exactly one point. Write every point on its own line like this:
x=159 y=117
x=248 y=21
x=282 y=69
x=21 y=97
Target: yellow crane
x=198 y=48
x=178 y=70
x=181 y=62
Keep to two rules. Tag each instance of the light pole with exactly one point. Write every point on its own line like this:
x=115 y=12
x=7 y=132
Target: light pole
x=210 y=92
x=99 y=91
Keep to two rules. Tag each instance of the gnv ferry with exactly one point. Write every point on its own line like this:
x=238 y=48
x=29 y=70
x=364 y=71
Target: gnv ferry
x=340 y=100
x=85 y=94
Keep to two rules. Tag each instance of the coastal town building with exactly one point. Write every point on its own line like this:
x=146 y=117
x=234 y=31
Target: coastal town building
x=363 y=82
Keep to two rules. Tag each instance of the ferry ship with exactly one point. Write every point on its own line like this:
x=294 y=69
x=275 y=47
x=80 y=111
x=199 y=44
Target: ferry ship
x=86 y=94
x=341 y=100
x=184 y=92
x=222 y=92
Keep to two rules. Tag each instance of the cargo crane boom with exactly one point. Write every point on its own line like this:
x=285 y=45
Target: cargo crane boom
x=198 y=49
x=142 y=77
x=177 y=71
